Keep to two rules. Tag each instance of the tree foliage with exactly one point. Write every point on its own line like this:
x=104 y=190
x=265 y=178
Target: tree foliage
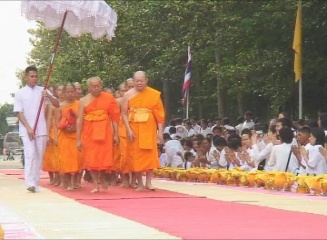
x=243 y=48
x=6 y=110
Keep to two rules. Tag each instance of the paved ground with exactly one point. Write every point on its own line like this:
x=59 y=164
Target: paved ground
x=48 y=215
x=9 y=164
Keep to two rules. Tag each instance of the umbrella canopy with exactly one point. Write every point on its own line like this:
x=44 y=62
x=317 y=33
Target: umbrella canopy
x=95 y=17
x=76 y=17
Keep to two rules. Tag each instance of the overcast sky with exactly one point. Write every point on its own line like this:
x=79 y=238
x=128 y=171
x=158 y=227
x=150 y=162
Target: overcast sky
x=14 y=47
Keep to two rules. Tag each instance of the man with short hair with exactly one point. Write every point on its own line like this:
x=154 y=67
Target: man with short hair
x=248 y=122
x=98 y=117
x=26 y=105
x=143 y=115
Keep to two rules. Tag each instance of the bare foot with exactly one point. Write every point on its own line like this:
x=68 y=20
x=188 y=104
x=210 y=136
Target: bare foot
x=125 y=185
x=139 y=188
x=134 y=185
x=150 y=187
x=95 y=190
x=70 y=189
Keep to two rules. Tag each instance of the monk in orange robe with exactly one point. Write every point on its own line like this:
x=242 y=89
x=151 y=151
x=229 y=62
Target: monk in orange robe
x=121 y=162
x=51 y=161
x=70 y=160
x=97 y=130
x=143 y=115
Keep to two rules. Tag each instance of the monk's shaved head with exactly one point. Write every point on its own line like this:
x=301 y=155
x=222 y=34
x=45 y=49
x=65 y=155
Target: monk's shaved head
x=77 y=84
x=129 y=83
x=93 y=80
x=95 y=86
x=121 y=86
x=139 y=74
x=140 y=80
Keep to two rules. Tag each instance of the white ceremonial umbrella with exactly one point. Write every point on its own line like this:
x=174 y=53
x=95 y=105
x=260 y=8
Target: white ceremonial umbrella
x=76 y=17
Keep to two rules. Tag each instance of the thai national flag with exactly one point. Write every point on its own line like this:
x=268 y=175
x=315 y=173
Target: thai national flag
x=187 y=77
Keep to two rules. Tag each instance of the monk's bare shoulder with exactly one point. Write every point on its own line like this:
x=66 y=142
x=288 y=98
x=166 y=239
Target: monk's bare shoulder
x=62 y=104
x=85 y=100
x=119 y=100
x=129 y=94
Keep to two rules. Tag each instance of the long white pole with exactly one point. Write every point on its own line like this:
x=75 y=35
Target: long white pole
x=187 y=102
x=300 y=99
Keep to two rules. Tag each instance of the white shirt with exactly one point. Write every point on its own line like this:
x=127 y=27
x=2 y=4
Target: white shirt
x=27 y=101
x=210 y=157
x=196 y=128
x=260 y=155
x=163 y=160
x=166 y=130
x=205 y=132
x=279 y=156
x=316 y=163
x=172 y=147
x=191 y=132
x=248 y=125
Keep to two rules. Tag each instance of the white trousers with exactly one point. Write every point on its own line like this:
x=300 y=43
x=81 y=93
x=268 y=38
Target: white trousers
x=33 y=153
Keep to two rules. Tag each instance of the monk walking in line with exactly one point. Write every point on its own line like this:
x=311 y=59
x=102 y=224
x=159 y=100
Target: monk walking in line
x=143 y=115
x=70 y=163
x=97 y=130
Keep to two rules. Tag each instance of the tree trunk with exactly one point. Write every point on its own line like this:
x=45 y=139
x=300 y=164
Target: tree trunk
x=220 y=95
x=200 y=109
x=166 y=99
x=240 y=104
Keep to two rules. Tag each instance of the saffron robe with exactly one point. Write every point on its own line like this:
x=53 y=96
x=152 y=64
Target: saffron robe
x=69 y=156
x=97 y=133
x=145 y=112
x=51 y=159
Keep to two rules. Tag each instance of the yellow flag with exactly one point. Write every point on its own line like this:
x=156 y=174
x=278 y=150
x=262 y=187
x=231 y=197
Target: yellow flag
x=297 y=44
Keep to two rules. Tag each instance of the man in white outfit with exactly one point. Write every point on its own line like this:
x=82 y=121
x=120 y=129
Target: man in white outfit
x=26 y=105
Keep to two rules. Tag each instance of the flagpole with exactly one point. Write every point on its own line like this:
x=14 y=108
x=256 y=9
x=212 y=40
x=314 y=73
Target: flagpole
x=187 y=103
x=300 y=99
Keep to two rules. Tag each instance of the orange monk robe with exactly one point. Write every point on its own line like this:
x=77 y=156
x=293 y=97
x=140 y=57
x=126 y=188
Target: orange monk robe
x=120 y=163
x=145 y=112
x=124 y=163
x=70 y=159
x=97 y=133
x=116 y=159
x=51 y=161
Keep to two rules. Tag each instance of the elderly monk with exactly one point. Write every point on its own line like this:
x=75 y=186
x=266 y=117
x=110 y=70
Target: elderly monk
x=97 y=130
x=143 y=115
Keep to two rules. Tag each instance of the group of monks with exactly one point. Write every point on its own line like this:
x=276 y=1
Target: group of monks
x=105 y=134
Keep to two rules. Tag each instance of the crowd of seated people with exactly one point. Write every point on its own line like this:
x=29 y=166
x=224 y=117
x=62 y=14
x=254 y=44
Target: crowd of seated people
x=280 y=145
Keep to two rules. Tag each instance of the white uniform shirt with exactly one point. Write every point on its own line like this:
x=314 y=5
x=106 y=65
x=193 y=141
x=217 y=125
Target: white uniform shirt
x=248 y=125
x=210 y=157
x=205 y=132
x=190 y=132
x=316 y=163
x=27 y=101
x=279 y=156
x=172 y=147
x=196 y=128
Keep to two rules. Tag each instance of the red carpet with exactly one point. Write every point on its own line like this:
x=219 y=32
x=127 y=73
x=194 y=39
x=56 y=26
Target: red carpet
x=190 y=217
x=114 y=192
